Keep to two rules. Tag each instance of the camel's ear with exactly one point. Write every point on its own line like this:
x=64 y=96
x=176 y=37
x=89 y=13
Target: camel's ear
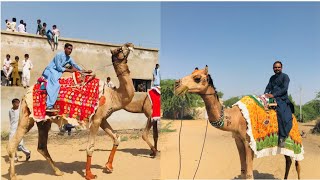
x=206 y=69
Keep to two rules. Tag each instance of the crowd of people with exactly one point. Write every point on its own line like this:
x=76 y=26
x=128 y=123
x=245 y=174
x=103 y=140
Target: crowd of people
x=11 y=71
x=52 y=35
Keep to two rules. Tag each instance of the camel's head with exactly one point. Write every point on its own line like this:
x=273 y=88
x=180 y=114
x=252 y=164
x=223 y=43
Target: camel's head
x=197 y=82
x=121 y=54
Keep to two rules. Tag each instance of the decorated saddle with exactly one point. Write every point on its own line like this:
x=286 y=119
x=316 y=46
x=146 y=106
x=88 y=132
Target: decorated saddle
x=154 y=95
x=78 y=98
x=262 y=128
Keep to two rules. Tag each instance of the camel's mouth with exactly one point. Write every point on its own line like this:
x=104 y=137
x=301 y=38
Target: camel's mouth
x=181 y=90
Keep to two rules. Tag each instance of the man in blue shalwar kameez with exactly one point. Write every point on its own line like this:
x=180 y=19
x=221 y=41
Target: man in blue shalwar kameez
x=62 y=62
x=278 y=88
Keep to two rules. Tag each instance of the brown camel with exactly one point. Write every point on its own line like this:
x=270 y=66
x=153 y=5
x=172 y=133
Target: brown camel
x=200 y=82
x=141 y=104
x=116 y=99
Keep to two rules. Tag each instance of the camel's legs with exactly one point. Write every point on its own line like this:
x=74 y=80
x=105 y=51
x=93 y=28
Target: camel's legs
x=146 y=139
x=249 y=160
x=25 y=124
x=90 y=147
x=242 y=155
x=288 y=165
x=298 y=168
x=155 y=134
x=43 y=130
x=108 y=129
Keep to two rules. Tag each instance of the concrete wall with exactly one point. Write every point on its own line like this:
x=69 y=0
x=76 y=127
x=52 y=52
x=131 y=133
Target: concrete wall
x=89 y=54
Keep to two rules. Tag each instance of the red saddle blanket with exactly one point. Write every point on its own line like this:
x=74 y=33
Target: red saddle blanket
x=155 y=98
x=72 y=102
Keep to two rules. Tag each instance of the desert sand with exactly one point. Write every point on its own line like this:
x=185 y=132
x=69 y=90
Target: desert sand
x=220 y=158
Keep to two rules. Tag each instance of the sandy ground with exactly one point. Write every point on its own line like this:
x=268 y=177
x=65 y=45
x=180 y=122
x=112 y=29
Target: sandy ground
x=132 y=160
x=220 y=157
x=219 y=160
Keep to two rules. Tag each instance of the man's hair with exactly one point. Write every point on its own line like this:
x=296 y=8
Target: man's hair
x=277 y=63
x=108 y=78
x=14 y=19
x=54 y=26
x=67 y=45
x=157 y=64
x=6 y=20
x=44 y=24
x=26 y=55
x=21 y=21
x=8 y=55
x=15 y=100
x=39 y=20
x=196 y=68
x=17 y=57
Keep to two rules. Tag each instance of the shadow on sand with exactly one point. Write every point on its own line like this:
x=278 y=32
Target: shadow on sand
x=132 y=151
x=258 y=175
x=43 y=167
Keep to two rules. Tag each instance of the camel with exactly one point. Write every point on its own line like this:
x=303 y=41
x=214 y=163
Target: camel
x=112 y=100
x=200 y=82
x=141 y=104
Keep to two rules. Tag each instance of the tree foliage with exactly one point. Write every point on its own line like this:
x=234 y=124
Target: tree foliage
x=172 y=104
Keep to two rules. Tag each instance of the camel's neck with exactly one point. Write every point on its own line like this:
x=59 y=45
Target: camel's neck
x=125 y=92
x=214 y=107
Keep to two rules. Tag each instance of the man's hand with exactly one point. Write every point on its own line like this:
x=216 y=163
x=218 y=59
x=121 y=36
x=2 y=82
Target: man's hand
x=87 y=71
x=269 y=96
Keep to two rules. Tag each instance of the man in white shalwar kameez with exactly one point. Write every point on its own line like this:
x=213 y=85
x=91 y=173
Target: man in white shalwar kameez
x=27 y=66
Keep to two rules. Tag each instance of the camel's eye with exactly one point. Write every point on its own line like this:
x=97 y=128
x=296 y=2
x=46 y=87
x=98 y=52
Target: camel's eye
x=197 y=79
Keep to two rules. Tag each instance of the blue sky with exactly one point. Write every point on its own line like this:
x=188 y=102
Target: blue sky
x=110 y=22
x=239 y=41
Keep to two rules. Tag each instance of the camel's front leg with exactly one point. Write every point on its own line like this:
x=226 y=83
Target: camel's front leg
x=249 y=160
x=43 y=130
x=242 y=155
x=90 y=147
x=146 y=139
x=288 y=165
x=108 y=129
x=25 y=124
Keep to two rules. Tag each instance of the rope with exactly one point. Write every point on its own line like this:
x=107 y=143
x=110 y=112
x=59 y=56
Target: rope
x=180 y=150
x=204 y=140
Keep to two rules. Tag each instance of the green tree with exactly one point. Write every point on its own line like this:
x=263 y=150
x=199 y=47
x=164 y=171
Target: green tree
x=229 y=102
x=172 y=105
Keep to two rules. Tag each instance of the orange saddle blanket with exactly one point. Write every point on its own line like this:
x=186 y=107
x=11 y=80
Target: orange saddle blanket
x=262 y=128
x=73 y=101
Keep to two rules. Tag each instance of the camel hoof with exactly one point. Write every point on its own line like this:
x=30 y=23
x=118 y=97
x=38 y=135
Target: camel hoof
x=109 y=169
x=90 y=176
x=154 y=153
x=58 y=173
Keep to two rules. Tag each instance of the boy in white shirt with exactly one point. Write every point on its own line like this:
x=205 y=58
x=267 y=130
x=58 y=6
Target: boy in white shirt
x=7 y=68
x=27 y=66
x=14 y=119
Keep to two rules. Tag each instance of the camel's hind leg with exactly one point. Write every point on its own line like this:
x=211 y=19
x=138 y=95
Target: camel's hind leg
x=108 y=129
x=43 y=130
x=146 y=139
x=298 y=168
x=25 y=124
x=242 y=155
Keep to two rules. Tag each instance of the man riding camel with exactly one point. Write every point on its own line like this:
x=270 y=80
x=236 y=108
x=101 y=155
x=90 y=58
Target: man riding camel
x=62 y=62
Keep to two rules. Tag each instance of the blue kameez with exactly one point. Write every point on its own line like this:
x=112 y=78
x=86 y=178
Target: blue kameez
x=53 y=72
x=278 y=86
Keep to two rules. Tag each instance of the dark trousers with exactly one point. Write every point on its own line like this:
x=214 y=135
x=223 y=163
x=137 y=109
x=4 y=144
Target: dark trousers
x=284 y=116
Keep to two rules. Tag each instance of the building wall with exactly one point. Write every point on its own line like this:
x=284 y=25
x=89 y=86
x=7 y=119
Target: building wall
x=88 y=54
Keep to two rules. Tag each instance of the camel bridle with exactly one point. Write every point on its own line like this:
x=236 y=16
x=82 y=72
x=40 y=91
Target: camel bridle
x=117 y=65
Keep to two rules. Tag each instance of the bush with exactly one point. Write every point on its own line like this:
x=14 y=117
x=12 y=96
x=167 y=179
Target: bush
x=316 y=129
x=4 y=135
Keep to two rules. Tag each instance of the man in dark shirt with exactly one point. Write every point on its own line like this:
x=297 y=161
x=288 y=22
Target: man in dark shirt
x=278 y=88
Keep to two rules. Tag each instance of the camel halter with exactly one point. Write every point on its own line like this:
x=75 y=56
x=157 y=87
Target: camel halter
x=219 y=122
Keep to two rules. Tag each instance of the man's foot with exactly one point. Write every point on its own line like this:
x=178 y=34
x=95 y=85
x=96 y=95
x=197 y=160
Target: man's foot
x=15 y=159
x=28 y=156
x=51 y=110
x=282 y=142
